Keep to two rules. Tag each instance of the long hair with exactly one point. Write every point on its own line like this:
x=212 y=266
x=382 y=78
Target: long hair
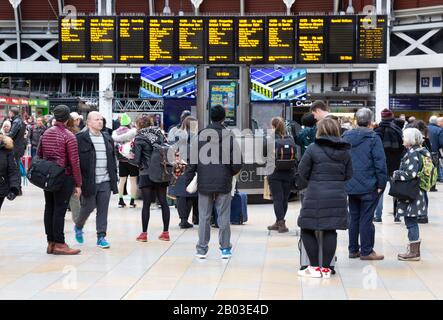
x=327 y=127
x=279 y=125
x=144 y=121
x=186 y=124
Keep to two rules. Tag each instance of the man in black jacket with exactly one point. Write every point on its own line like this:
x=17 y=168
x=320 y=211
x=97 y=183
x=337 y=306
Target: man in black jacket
x=35 y=133
x=17 y=134
x=215 y=170
x=99 y=172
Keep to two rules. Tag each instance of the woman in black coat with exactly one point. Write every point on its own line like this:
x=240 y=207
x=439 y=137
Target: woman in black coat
x=9 y=176
x=325 y=167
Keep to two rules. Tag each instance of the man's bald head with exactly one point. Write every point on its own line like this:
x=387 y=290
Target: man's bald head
x=95 y=121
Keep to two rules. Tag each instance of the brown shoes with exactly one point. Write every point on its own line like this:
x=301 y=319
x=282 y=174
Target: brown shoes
x=274 y=227
x=63 y=249
x=412 y=253
x=50 y=249
x=280 y=226
x=372 y=256
x=354 y=255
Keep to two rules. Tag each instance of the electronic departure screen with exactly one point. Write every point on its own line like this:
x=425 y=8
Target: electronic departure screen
x=73 y=40
x=280 y=40
x=251 y=38
x=341 y=39
x=311 y=40
x=102 y=39
x=191 y=40
x=161 y=40
x=132 y=40
x=371 y=43
x=220 y=44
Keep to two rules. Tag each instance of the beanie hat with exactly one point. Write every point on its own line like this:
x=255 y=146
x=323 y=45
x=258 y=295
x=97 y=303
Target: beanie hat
x=387 y=114
x=125 y=120
x=218 y=113
x=61 y=113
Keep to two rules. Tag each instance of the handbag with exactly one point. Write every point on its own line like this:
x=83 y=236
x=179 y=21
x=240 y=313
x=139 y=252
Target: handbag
x=46 y=175
x=192 y=186
x=405 y=190
x=266 y=190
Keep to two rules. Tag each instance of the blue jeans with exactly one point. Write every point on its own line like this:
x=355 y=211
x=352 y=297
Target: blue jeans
x=361 y=210
x=413 y=230
x=440 y=172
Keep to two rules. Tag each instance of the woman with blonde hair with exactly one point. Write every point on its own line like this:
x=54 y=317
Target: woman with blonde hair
x=6 y=127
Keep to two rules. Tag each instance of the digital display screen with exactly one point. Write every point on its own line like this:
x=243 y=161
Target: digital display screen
x=269 y=84
x=191 y=40
x=168 y=82
x=161 y=40
x=311 y=40
x=251 y=38
x=371 y=43
x=341 y=39
x=132 y=40
x=280 y=40
x=73 y=40
x=221 y=44
x=102 y=39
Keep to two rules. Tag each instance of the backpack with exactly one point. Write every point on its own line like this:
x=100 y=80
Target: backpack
x=46 y=175
x=285 y=153
x=428 y=174
x=160 y=170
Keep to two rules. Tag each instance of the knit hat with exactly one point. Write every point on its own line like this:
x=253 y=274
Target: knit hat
x=218 y=113
x=61 y=113
x=125 y=120
x=387 y=114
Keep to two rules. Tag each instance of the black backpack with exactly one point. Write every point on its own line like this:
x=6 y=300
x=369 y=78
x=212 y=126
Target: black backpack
x=160 y=170
x=46 y=175
x=285 y=153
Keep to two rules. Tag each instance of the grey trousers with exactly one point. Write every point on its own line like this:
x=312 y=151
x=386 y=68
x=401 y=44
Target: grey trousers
x=99 y=201
x=74 y=204
x=206 y=203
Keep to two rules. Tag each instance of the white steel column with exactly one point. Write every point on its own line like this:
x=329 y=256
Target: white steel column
x=381 y=90
x=105 y=94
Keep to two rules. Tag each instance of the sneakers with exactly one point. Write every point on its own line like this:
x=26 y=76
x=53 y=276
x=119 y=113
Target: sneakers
x=310 y=272
x=164 y=236
x=132 y=203
x=102 y=243
x=79 y=235
x=143 y=237
x=372 y=256
x=326 y=273
x=201 y=255
x=226 y=253
x=121 y=203
x=377 y=220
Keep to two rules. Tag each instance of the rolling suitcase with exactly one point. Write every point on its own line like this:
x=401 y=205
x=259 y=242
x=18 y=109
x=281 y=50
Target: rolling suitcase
x=239 y=208
x=304 y=259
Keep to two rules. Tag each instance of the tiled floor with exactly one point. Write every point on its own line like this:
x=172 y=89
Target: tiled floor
x=263 y=266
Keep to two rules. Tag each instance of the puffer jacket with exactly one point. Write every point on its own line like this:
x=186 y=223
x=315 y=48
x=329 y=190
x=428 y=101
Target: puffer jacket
x=9 y=173
x=121 y=136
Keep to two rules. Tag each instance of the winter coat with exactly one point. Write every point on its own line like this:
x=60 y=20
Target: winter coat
x=35 y=134
x=87 y=154
x=410 y=166
x=215 y=177
x=143 y=142
x=325 y=167
x=9 y=173
x=368 y=161
x=392 y=139
x=436 y=137
x=17 y=134
x=305 y=137
x=121 y=136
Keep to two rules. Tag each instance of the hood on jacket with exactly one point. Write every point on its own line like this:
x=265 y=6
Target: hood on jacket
x=421 y=150
x=335 y=147
x=6 y=143
x=358 y=136
x=124 y=134
x=150 y=134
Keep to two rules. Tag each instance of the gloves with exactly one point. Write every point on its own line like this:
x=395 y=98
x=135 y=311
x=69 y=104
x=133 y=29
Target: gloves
x=11 y=196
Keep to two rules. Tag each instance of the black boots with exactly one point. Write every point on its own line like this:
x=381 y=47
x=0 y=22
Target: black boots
x=121 y=203
x=184 y=224
x=132 y=203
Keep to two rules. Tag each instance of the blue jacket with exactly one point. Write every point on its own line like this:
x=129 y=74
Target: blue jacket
x=436 y=137
x=368 y=161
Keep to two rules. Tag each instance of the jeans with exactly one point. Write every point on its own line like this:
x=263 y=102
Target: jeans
x=280 y=190
x=99 y=201
x=56 y=204
x=413 y=230
x=361 y=210
x=222 y=203
x=440 y=171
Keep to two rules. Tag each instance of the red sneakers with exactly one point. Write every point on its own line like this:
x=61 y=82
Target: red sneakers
x=164 y=236
x=143 y=237
x=326 y=273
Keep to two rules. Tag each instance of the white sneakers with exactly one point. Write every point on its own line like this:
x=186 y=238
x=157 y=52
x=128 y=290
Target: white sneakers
x=315 y=272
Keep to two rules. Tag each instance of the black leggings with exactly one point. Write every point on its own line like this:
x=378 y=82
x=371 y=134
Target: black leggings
x=329 y=247
x=149 y=194
x=1 y=202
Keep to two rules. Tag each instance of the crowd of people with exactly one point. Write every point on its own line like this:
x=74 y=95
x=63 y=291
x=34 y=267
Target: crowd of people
x=341 y=175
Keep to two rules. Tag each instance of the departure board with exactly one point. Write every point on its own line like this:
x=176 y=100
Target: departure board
x=311 y=40
x=220 y=44
x=102 y=35
x=191 y=40
x=371 y=43
x=73 y=40
x=341 y=39
x=280 y=40
x=161 y=40
x=132 y=40
x=251 y=38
